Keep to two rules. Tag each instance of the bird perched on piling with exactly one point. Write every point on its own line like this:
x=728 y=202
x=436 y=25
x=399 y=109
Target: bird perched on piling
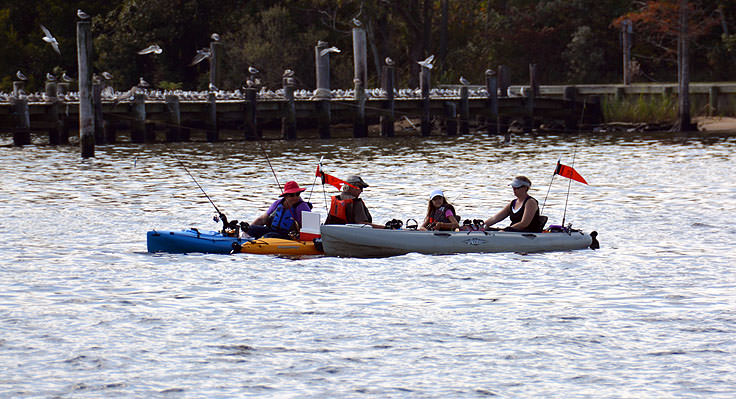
x=154 y=48
x=332 y=49
x=389 y=61
x=427 y=63
x=288 y=73
x=252 y=70
x=81 y=14
x=215 y=37
x=357 y=22
x=212 y=87
x=50 y=39
x=142 y=83
x=464 y=81
x=20 y=75
x=202 y=54
x=66 y=78
x=50 y=77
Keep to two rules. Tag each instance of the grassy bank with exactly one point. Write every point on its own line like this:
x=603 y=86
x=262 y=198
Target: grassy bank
x=641 y=109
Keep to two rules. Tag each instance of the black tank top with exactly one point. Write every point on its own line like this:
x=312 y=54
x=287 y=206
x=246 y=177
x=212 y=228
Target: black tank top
x=534 y=225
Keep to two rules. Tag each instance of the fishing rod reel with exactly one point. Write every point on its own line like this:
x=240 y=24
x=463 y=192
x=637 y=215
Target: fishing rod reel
x=411 y=224
x=394 y=224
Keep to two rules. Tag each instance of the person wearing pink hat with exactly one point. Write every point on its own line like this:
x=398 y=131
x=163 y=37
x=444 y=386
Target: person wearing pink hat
x=284 y=216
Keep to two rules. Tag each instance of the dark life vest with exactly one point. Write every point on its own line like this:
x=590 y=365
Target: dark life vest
x=516 y=217
x=439 y=215
x=283 y=219
x=341 y=211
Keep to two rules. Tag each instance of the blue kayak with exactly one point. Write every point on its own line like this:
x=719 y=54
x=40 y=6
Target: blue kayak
x=192 y=240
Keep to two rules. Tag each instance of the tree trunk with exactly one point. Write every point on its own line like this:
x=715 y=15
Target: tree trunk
x=443 y=33
x=684 y=123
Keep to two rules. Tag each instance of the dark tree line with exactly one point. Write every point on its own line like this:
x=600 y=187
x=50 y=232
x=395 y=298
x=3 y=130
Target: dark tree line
x=571 y=41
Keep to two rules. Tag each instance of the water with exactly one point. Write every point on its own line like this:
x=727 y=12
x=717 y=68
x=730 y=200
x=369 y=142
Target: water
x=86 y=312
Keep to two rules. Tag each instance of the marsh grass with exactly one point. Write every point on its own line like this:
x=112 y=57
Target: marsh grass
x=641 y=109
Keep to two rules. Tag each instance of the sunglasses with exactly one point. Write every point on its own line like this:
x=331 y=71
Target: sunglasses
x=292 y=195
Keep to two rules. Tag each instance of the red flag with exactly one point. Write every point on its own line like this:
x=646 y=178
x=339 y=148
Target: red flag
x=332 y=180
x=569 y=172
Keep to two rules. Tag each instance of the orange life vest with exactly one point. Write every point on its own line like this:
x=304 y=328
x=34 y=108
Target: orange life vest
x=341 y=211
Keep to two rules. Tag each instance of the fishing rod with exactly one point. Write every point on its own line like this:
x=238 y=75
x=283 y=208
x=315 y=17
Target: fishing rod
x=220 y=214
x=269 y=165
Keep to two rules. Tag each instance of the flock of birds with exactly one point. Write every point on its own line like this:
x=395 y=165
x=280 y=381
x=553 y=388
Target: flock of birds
x=264 y=94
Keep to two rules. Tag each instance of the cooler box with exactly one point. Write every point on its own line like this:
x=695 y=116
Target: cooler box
x=310 y=226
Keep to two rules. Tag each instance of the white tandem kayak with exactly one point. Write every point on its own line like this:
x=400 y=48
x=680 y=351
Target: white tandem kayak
x=365 y=242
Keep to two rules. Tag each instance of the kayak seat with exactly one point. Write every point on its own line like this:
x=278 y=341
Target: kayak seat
x=543 y=221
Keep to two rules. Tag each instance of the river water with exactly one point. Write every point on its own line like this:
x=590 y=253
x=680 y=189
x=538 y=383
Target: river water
x=85 y=311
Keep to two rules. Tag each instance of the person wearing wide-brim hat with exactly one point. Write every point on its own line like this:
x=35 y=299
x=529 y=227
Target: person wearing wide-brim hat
x=523 y=210
x=284 y=216
x=440 y=213
x=347 y=207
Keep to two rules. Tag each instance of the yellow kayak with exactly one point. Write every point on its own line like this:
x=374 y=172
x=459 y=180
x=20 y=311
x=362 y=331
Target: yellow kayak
x=277 y=246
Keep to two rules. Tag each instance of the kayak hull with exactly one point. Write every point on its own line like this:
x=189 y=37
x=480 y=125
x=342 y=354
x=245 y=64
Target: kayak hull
x=278 y=246
x=190 y=241
x=365 y=242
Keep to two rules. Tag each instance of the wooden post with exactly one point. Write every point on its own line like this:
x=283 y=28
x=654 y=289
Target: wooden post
x=216 y=63
x=492 y=88
x=86 y=111
x=251 y=122
x=22 y=131
x=531 y=99
x=570 y=93
x=626 y=31
x=451 y=118
x=138 y=125
x=387 y=117
x=288 y=121
x=360 y=60
x=61 y=90
x=323 y=94
x=211 y=118
x=503 y=80
x=52 y=113
x=713 y=93
x=97 y=108
x=464 y=110
x=619 y=93
x=18 y=88
x=424 y=82
x=173 y=133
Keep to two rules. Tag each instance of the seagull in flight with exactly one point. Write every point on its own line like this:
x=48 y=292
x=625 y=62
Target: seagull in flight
x=20 y=75
x=202 y=54
x=107 y=75
x=50 y=39
x=154 y=48
x=252 y=70
x=464 y=81
x=389 y=61
x=81 y=14
x=332 y=49
x=215 y=37
x=427 y=63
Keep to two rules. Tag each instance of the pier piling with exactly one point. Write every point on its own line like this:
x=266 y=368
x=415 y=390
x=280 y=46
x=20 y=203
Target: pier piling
x=86 y=111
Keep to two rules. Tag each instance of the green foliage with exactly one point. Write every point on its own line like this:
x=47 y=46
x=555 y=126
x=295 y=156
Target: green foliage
x=164 y=85
x=641 y=109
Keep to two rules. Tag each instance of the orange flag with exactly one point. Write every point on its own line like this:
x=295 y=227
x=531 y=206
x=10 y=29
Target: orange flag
x=332 y=180
x=569 y=172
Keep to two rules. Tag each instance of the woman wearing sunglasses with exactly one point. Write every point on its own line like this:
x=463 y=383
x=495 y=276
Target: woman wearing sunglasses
x=284 y=216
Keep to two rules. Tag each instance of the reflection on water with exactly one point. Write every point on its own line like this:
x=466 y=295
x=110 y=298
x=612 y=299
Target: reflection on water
x=86 y=312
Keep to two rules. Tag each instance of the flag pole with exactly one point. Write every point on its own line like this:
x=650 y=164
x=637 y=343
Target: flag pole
x=569 y=183
x=541 y=212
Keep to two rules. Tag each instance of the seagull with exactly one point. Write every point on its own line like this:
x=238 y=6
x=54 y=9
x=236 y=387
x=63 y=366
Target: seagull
x=66 y=77
x=215 y=37
x=490 y=72
x=142 y=83
x=50 y=77
x=81 y=14
x=508 y=92
x=252 y=70
x=50 y=39
x=464 y=81
x=356 y=22
x=332 y=49
x=154 y=48
x=202 y=54
x=107 y=75
x=427 y=63
x=288 y=73
x=389 y=61
x=20 y=75
x=249 y=82
x=212 y=87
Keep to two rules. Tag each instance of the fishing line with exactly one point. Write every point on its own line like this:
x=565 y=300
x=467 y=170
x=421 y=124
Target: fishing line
x=222 y=215
x=269 y=165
